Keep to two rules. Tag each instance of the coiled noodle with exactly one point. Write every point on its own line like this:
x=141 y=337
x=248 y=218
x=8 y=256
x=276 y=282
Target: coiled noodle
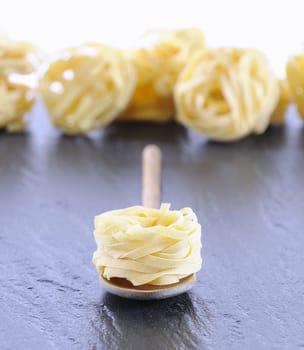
x=227 y=93
x=148 y=246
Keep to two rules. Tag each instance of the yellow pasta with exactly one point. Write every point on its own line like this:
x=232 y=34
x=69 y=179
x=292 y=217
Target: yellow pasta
x=295 y=76
x=227 y=93
x=158 y=63
x=85 y=88
x=17 y=60
x=278 y=116
x=15 y=101
x=148 y=246
x=16 y=57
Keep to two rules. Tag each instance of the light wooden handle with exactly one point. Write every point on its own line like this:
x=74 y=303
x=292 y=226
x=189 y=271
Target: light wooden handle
x=151 y=171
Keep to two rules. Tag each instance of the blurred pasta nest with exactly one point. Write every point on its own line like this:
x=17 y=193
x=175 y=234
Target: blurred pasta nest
x=17 y=61
x=86 y=87
x=159 y=59
x=227 y=93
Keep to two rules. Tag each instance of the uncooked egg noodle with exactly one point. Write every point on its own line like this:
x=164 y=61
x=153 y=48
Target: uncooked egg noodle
x=84 y=88
x=227 y=93
x=148 y=246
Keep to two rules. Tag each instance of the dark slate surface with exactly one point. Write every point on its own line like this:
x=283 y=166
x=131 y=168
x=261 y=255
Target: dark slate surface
x=248 y=196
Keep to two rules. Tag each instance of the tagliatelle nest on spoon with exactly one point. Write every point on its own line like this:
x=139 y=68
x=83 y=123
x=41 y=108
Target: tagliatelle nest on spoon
x=227 y=93
x=159 y=60
x=148 y=246
x=85 y=88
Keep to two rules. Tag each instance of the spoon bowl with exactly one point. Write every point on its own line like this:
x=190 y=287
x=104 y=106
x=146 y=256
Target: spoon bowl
x=125 y=289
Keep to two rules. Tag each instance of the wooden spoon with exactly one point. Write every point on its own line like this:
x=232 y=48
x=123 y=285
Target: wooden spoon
x=151 y=170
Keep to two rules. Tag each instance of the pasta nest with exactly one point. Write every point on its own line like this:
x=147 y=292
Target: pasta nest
x=86 y=87
x=148 y=246
x=159 y=60
x=227 y=93
x=295 y=76
x=15 y=101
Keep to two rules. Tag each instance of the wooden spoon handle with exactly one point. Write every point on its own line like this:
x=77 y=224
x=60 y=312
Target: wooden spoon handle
x=151 y=171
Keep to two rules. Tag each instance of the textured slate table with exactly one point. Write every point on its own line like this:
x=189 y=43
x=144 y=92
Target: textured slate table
x=248 y=196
